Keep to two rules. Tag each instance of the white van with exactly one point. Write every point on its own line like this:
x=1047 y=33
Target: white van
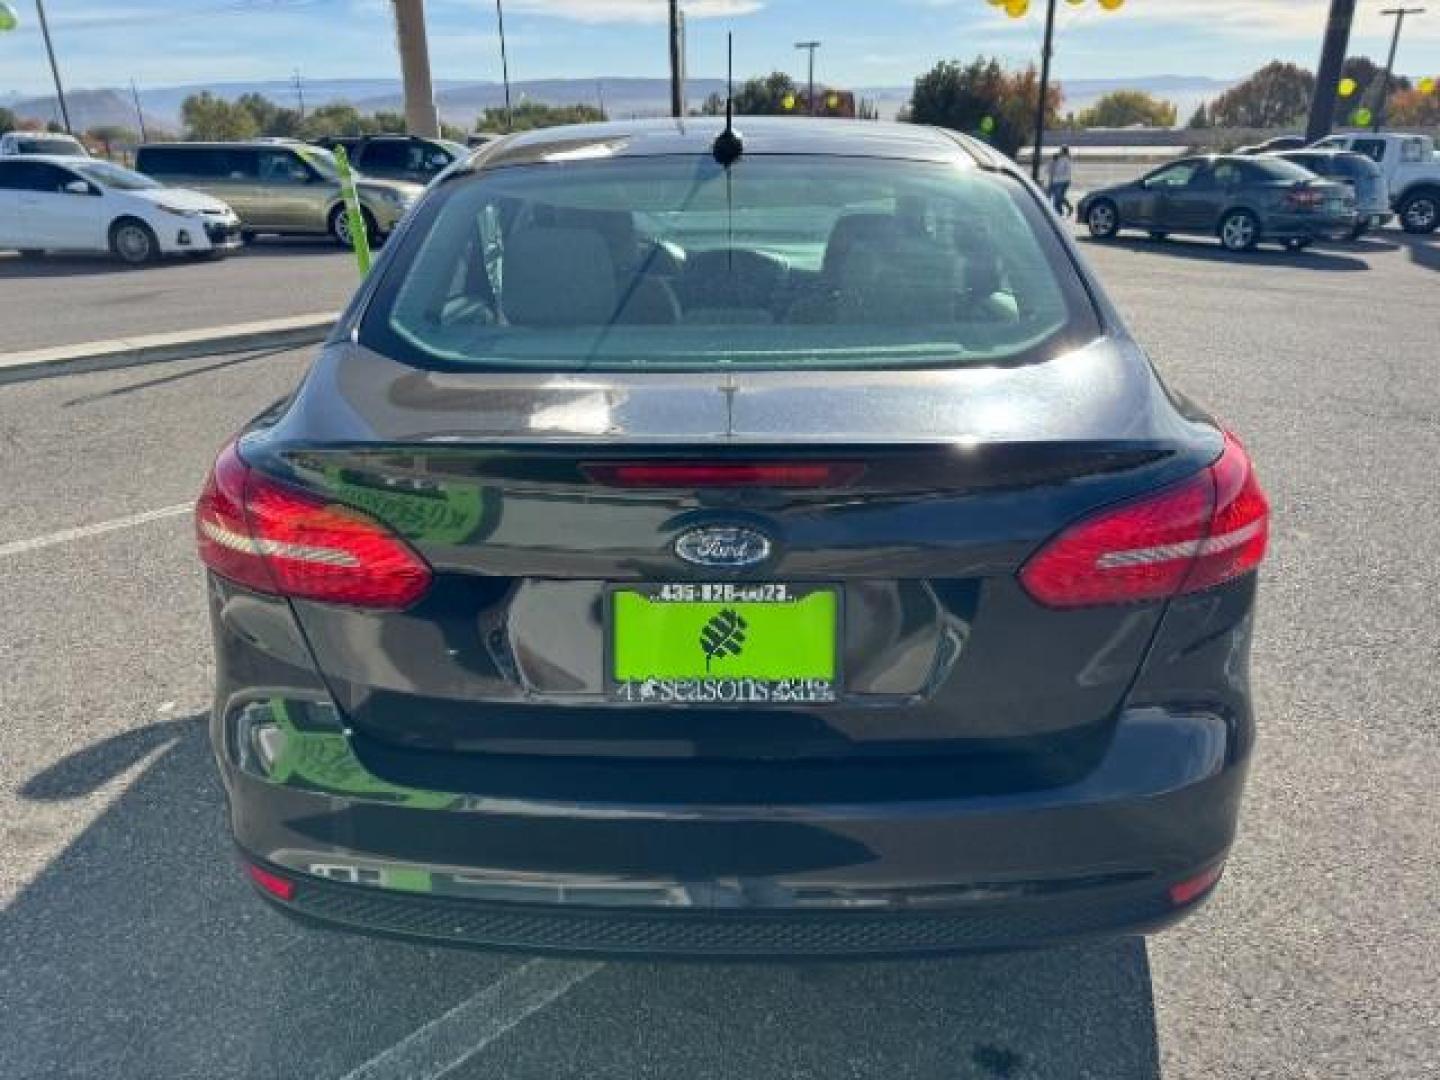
x=41 y=142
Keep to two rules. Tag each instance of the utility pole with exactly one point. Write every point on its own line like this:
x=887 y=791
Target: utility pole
x=139 y=113
x=1042 y=113
x=677 y=92
x=54 y=67
x=810 y=47
x=1398 y=14
x=1332 y=59
x=300 y=92
x=421 y=116
x=504 y=65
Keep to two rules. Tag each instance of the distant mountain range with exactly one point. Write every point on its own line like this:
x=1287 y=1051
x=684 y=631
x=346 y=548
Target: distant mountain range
x=461 y=102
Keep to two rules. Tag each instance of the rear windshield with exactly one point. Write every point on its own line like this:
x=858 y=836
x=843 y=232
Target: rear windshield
x=41 y=145
x=1280 y=169
x=781 y=262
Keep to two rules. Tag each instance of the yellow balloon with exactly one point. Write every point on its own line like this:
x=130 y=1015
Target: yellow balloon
x=1112 y=5
x=8 y=19
x=1361 y=117
x=1348 y=87
x=1427 y=85
x=1017 y=9
x=788 y=102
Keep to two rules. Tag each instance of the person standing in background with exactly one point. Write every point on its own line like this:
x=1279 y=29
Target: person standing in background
x=1059 y=175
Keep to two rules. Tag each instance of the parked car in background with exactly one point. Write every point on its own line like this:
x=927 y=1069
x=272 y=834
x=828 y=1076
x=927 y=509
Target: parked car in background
x=41 y=142
x=278 y=187
x=398 y=157
x=1271 y=146
x=67 y=204
x=1241 y=200
x=1372 y=194
x=1411 y=168
x=846 y=582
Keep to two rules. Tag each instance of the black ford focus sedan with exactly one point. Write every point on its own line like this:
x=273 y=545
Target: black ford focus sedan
x=760 y=544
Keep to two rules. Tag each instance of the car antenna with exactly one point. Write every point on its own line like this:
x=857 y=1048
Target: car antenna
x=728 y=144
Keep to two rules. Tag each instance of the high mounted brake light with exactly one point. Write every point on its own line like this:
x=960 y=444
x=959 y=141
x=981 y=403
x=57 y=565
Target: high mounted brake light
x=1199 y=533
x=275 y=539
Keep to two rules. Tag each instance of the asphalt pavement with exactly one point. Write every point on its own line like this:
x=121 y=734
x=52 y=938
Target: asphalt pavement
x=67 y=300
x=131 y=947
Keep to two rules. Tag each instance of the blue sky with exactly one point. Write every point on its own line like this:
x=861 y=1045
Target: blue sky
x=866 y=42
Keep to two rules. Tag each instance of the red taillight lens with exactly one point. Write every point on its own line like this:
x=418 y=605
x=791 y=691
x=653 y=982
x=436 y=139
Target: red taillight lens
x=1304 y=198
x=703 y=474
x=275 y=539
x=274 y=884
x=1197 y=534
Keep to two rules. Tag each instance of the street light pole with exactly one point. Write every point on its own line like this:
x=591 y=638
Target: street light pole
x=1399 y=16
x=139 y=113
x=810 y=46
x=504 y=65
x=677 y=92
x=54 y=67
x=1041 y=112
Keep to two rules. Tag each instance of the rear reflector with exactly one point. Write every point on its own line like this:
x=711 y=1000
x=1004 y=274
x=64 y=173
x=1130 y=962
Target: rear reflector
x=1183 y=892
x=1202 y=532
x=705 y=474
x=274 y=884
x=275 y=539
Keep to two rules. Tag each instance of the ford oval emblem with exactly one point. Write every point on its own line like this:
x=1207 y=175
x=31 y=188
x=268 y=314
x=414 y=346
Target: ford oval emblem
x=726 y=546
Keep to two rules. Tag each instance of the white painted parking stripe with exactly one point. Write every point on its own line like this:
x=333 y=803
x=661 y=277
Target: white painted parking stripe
x=453 y=1038
x=65 y=536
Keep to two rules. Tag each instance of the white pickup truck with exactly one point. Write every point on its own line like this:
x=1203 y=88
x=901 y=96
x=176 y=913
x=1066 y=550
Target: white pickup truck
x=1411 y=167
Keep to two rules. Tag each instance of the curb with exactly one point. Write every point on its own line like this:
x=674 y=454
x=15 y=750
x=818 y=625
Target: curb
x=291 y=332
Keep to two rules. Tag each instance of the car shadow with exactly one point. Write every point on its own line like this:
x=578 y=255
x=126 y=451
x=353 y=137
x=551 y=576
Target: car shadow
x=13 y=265
x=139 y=951
x=1203 y=250
x=1424 y=250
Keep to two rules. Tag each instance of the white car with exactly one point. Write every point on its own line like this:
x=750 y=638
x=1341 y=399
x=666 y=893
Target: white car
x=56 y=203
x=41 y=142
x=1411 y=167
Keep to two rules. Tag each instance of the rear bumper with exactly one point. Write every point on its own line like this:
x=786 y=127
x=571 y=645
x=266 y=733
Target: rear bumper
x=1009 y=869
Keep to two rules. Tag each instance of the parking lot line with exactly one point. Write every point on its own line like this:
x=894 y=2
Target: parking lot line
x=454 y=1037
x=64 y=536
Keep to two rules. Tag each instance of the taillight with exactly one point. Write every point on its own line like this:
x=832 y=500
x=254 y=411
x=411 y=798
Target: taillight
x=1206 y=530
x=708 y=474
x=275 y=539
x=1304 y=198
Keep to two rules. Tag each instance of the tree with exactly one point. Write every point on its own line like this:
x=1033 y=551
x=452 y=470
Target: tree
x=713 y=105
x=336 y=118
x=1411 y=108
x=1200 y=119
x=529 y=115
x=1128 y=108
x=1278 y=95
x=961 y=96
x=8 y=120
x=767 y=95
x=867 y=110
x=107 y=135
x=208 y=117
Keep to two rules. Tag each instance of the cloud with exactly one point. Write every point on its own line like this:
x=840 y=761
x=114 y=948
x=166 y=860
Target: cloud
x=636 y=11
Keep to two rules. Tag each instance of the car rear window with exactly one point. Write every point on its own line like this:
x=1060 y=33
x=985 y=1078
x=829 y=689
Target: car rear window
x=667 y=263
x=1279 y=169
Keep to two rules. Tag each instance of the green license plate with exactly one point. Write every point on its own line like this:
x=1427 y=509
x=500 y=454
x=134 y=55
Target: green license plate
x=731 y=643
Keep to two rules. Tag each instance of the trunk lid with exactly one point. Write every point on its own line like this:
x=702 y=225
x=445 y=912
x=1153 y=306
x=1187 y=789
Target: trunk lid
x=950 y=479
